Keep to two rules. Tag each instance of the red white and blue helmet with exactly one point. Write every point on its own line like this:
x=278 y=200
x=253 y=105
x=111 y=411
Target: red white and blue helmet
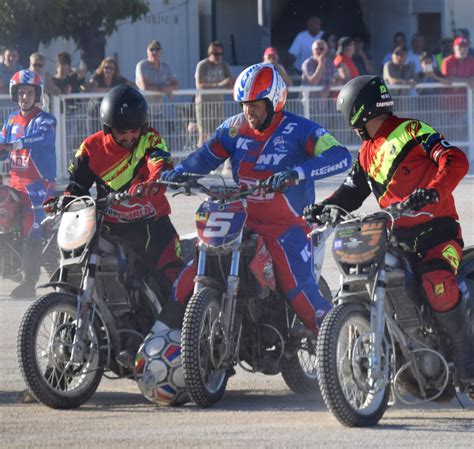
x=26 y=78
x=260 y=82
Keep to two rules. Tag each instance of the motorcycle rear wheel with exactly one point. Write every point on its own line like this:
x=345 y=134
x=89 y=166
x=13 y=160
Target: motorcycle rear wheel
x=201 y=343
x=341 y=378
x=44 y=347
x=299 y=371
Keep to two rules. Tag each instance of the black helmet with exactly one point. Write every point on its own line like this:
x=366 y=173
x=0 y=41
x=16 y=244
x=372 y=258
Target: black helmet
x=123 y=107
x=362 y=99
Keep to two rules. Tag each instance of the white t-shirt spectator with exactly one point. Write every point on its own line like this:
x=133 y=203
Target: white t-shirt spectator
x=301 y=46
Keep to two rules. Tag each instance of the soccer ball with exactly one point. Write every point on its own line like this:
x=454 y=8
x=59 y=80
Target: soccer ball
x=158 y=369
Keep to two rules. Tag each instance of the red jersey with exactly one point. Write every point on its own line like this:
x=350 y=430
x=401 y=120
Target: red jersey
x=404 y=155
x=115 y=169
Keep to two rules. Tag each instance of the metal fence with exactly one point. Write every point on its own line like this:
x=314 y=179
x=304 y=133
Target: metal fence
x=447 y=108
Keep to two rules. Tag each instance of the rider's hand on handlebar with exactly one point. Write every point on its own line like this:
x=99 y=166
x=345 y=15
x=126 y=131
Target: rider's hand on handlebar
x=144 y=189
x=313 y=212
x=173 y=176
x=419 y=199
x=50 y=205
x=280 y=181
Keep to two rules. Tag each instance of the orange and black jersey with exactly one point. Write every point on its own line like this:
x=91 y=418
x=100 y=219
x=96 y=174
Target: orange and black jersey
x=113 y=168
x=405 y=154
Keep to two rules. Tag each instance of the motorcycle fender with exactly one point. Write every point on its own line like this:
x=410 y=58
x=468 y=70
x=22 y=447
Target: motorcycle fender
x=61 y=286
x=208 y=281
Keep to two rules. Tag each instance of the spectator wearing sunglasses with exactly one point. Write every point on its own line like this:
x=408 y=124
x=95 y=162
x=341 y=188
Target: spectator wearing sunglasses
x=154 y=74
x=37 y=65
x=211 y=73
x=106 y=76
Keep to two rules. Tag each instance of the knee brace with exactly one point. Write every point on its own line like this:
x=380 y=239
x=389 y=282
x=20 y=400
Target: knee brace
x=441 y=289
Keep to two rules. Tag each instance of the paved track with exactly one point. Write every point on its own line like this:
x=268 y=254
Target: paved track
x=256 y=411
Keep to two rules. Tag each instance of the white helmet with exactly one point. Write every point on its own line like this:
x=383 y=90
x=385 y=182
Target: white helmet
x=259 y=82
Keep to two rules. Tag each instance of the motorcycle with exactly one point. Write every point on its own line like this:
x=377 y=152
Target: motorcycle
x=381 y=343
x=70 y=338
x=237 y=315
x=11 y=241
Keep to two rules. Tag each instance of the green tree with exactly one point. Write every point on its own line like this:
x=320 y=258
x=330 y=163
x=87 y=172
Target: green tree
x=27 y=23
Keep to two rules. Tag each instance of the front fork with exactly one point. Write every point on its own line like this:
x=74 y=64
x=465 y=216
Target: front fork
x=229 y=299
x=376 y=370
x=85 y=309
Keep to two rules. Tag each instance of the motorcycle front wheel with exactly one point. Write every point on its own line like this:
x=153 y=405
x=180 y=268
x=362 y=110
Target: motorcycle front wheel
x=342 y=363
x=202 y=348
x=44 y=349
x=299 y=371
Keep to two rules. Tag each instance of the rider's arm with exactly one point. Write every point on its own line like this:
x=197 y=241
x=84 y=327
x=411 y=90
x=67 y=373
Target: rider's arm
x=158 y=157
x=81 y=177
x=452 y=164
x=327 y=156
x=42 y=139
x=206 y=158
x=353 y=191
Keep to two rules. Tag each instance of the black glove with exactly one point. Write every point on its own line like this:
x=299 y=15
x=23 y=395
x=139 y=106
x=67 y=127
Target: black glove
x=420 y=198
x=173 y=176
x=311 y=212
x=280 y=181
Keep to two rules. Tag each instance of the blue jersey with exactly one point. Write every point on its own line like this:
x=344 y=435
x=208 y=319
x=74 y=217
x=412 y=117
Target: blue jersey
x=291 y=142
x=36 y=159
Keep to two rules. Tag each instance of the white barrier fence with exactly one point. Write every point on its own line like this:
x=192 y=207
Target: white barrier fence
x=449 y=109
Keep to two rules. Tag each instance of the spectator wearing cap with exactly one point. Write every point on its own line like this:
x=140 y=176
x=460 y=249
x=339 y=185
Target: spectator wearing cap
x=211 y=73
x=270 y=55
x=343 y=61
x=460 y=65
x=154 y=74
x=398 y=71
x=300 y=48
x=8 y=67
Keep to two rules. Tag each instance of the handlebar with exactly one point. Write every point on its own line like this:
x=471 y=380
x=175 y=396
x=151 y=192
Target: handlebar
x=224 y=193
x=333 y=215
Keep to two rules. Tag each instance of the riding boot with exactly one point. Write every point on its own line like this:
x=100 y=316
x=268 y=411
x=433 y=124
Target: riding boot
x=31 y=260
x=459 y=332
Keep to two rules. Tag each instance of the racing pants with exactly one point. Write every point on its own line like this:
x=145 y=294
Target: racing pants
x=291 y=254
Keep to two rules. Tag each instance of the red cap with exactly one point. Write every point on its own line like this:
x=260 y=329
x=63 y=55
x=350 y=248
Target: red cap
x=270 y=51
x=460 y=40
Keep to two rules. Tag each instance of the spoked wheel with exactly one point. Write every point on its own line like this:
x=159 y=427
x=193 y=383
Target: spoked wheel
x=299 y=371
x=44 y=353
x=50 y=255
x=343 y=360
x=203 y=347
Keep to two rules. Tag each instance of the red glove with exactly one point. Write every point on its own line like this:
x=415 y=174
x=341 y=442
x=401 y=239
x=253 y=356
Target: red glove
x=50 y=205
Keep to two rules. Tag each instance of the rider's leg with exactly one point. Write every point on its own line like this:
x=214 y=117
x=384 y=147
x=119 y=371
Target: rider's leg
x=437 y=270
x=293 y=267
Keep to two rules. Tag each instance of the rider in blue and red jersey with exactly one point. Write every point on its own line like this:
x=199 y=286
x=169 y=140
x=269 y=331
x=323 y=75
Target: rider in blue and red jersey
x=29 y=136
x=265 y=143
